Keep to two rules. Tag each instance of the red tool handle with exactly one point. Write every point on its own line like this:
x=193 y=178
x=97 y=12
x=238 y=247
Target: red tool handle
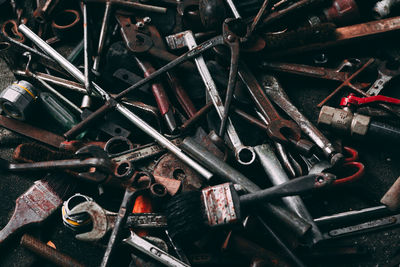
x=358 y=101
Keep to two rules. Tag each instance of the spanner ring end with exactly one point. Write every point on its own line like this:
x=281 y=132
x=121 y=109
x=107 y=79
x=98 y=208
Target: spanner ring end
x=245 y=155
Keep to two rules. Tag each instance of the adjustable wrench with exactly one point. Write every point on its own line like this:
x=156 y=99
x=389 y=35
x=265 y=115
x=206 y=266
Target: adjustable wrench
x=245 y=155
x=274 y=90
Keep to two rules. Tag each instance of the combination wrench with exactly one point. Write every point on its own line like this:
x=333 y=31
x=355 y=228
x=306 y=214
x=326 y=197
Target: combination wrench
x=275 y=91
x=244 y=154
x=141 y=124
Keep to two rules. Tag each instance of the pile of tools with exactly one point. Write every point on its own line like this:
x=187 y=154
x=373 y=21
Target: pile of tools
x=174 y=114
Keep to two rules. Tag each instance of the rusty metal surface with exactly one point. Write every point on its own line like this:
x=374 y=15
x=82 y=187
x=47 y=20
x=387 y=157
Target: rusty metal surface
x=34 y=206
x=276 y=124
x=171 y=167
x=32 y=132
x=48 y=253
x=219 y=205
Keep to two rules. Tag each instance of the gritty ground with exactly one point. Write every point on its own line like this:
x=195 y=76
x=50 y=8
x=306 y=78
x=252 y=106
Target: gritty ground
x=382 y=169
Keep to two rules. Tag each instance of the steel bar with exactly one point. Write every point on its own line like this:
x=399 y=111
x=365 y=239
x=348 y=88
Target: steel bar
x=123 y=110
x=223 y=170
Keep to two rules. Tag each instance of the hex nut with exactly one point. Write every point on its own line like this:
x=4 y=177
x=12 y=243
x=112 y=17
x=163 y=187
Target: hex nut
x=326 y=115
x=360 y=124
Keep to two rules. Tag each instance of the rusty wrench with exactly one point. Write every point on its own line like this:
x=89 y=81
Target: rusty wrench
x=137 y=187
x=275 y=91
x=88 y=157
x=277 y=125
x=104 y=220
x=385 y=75
x=113 y=104
x=245 y=155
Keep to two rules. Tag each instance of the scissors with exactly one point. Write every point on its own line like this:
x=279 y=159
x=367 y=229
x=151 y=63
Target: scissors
x=350 y=165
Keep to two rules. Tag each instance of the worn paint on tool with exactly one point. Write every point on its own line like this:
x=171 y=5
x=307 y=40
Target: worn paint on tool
x=219 y=205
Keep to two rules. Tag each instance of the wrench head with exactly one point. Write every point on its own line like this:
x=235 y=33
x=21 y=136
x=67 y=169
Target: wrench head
x=99 y=220
x=389 y=68
x=280 y=130
x=97 y=175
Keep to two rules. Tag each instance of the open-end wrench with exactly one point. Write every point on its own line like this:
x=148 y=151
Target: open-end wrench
x=245 y=155
x=274 y=90
x=385 y=75
x=89 y=157
x=277 y=125
x=111 y=103
x=139 y=186
x=104 y=220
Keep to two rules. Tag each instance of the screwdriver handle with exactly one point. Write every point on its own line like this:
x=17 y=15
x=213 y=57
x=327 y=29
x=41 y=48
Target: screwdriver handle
x=58 y=112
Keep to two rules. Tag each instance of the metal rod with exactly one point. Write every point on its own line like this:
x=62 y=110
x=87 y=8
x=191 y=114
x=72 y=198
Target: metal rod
x=223 y=170
x=277 y=175
x=198 y=115
x=123 y=110
x=86 y=48
x=102 y=38
x=48 y=253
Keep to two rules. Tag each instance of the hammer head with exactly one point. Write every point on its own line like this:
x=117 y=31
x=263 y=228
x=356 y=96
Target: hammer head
x=179 y=40
x=99 y=220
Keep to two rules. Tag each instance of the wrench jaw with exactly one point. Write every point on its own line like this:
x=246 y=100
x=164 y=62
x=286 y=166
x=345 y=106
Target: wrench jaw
x=102 y=170
x=99 y=219
x=281 y=130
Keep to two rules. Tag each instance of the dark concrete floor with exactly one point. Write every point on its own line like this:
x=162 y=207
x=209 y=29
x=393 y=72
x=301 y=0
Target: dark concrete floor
x=382 y=169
